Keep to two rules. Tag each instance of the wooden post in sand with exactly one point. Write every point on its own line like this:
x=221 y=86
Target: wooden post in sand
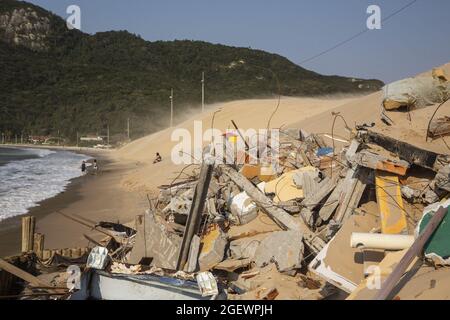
x=28 y=225
x=38 y=246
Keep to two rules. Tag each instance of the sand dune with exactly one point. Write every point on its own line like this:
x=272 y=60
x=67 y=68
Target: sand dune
x=247 y=114
x=314 y=115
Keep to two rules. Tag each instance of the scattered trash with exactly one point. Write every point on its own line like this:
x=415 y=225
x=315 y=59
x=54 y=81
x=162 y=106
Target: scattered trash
x=327 y=217
x=98 y=258
x=207 y=284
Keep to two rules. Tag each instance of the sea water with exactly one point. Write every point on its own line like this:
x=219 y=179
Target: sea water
x=29 y=176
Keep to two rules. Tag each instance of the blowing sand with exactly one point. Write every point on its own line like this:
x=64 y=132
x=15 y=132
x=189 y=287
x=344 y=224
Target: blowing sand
x=246 y=113
x=119 y=194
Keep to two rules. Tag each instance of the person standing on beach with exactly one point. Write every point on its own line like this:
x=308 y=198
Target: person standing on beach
x=95 y=166
x=83 y=167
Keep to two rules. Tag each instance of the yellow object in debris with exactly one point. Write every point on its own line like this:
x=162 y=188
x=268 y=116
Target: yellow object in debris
x=209 y=238
x=390 y=203
x=284 y=187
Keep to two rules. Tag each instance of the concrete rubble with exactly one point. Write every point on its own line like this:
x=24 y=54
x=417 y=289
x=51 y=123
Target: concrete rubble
x=285 y=233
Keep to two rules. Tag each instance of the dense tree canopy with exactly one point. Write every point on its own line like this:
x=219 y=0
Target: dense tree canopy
x=83 y=83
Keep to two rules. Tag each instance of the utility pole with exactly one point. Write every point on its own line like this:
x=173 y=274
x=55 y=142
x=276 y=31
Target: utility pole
x=128 y=128
x=203 y=91
x=171 y=108
x=108 y=135
x=16 y=138
x=77 y=139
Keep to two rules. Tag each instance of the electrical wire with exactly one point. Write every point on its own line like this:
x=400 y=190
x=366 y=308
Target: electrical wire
x=357 y=34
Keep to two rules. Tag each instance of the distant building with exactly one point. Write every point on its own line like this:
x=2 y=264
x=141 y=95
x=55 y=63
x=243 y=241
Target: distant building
x=91 y=139
x=38 y=139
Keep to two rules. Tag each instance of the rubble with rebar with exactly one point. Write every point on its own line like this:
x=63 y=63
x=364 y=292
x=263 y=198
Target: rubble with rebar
x=286 y=234
x=362 y=218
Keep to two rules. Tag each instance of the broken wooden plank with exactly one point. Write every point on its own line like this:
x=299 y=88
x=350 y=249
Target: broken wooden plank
x=32 y=280
x=281 y=217
x=28 y=226
x=390 y=203
x=416 y=249
x=372 y=160
x=196 y=211
x=38 y=244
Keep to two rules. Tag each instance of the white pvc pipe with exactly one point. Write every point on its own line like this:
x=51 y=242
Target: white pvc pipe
x=381 y=241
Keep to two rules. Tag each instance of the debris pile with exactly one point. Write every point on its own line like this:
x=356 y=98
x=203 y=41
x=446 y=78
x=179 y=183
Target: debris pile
x=322 y=222
x=363 y=218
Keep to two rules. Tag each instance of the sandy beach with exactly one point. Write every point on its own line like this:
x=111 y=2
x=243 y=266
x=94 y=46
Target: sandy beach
x=127 y=175
x=95 y=197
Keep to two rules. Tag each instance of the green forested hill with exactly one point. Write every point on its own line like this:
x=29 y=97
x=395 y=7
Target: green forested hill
x=53 y=79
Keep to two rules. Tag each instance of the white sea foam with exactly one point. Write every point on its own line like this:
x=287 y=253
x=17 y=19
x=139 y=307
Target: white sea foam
x=25 y=183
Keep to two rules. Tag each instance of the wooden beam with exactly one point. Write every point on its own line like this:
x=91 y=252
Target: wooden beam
x=281 y=217
x=28 y=226
x=415 y=250
x=32 y=280
x=195 y=213
x=38 y=246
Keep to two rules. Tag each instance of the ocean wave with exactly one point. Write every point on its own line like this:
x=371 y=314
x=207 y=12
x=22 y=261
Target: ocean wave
x=25 y=183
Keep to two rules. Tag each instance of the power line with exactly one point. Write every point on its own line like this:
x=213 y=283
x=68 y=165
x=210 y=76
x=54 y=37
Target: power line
x=357 y=34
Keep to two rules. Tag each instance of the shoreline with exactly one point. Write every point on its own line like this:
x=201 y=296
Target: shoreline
x=89 y=151
x=80 y=197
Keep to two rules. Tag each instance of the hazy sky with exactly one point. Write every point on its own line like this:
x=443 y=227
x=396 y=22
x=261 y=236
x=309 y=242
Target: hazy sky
x=415 y=40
